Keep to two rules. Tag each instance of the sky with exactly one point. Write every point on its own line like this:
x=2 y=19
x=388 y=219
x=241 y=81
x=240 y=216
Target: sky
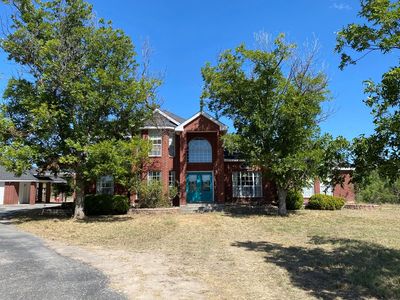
x=184 y=35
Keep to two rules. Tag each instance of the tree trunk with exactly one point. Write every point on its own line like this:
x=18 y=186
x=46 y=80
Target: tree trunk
x=282 y=193
x=80 y=193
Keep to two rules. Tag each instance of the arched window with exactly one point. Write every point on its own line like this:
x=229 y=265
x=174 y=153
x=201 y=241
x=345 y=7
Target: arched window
x=199 y=151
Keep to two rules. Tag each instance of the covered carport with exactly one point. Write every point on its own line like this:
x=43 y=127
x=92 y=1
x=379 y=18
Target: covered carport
x=45 y=187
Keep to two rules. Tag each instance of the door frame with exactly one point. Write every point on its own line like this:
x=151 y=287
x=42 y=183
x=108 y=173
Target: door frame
x=212 y=189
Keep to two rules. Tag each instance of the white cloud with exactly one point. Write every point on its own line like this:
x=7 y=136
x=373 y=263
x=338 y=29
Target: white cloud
x=341 y=6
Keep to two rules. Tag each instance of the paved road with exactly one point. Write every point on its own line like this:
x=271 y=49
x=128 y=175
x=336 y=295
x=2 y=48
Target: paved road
x=30 y=270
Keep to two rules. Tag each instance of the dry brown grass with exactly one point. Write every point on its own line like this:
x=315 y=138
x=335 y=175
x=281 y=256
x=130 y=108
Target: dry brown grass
x=324 y=254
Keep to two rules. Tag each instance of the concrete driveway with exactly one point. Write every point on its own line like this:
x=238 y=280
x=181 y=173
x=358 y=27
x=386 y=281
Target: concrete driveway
x=30 y=270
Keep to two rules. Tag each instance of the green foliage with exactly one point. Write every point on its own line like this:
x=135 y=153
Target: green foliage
x=294 y=200
x=274 y=99
x=120 y=204
x=151 y=195
x=82 y=86
x=121 y=159
x=172 y=192
x=106 y=204
x=378 y=189
x=325 y=202
x=379 y=33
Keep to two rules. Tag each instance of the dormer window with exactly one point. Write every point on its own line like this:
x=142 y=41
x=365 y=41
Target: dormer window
x=200 y=151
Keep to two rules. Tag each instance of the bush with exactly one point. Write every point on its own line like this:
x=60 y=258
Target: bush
x=325 y=202
x=378 y=189
x=106 y=205
x=120 y=204
x=294 y=200
x=151 y=195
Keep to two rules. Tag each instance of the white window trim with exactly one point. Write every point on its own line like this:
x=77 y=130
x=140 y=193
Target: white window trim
x=171 y=141
x=154 y=134
x=100 y=187
x=173 y=173
x=150 y=180
x=203 y=161
x=254 y=186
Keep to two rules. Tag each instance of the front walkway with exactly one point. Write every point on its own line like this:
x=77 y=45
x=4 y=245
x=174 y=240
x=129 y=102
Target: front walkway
x=30 y=270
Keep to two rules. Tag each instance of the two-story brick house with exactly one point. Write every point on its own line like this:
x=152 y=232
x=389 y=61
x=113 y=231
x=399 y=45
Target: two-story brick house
x=190 y=154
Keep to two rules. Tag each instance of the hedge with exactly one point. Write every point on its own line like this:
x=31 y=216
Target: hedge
x=325 y=202
x=106 y=205
x=151 y=195
x=294 y=200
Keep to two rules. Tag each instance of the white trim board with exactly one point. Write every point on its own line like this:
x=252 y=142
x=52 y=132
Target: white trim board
x=2 y=190
x=166 y=116
x=204 y=114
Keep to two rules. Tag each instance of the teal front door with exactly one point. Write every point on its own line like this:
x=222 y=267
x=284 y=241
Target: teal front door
x=199 y=187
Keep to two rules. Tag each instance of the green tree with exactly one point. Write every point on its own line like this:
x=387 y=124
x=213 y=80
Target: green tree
x=379 y=33
x=80 y=87
x=274 y=98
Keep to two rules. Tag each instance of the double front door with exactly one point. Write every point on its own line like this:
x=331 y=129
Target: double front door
x=199 y=187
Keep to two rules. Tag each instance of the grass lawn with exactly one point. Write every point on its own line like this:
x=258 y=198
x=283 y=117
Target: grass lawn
x=346 y=254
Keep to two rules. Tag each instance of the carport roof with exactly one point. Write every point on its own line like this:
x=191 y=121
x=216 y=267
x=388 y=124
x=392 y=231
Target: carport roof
x=11 y=177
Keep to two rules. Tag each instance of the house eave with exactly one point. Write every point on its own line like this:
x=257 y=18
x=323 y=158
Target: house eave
x=180 y=127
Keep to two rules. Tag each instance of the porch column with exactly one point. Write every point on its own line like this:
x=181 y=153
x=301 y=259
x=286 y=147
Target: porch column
x=32 y=193
x=182 y=168
x=48 y=192
x=219 y=171
x=317 y=186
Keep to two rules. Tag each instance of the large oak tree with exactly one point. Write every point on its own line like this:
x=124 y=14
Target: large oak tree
x=79 y=91
x=273 y=96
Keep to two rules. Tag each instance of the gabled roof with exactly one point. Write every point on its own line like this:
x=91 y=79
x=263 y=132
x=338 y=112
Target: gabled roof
x=11 y=177
x=163 y=119
x=222 y=126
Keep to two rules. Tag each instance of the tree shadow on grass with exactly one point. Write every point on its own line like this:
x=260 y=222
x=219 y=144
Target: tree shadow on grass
x=32 y=215
x=349 y=269
x=244 y=211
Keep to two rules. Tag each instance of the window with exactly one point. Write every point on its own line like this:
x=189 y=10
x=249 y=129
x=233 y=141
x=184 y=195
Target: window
x=105 y=185
x=171 y=144
x=154 y=176
x=206 y=183
x=155 y=139
x=171 y=178
x=199 y=151
x=247 y=184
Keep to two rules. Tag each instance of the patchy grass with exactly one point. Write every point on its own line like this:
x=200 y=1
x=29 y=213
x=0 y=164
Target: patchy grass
x=324 y=254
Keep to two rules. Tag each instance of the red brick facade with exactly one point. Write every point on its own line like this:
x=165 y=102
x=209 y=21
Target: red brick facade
x=202 y=126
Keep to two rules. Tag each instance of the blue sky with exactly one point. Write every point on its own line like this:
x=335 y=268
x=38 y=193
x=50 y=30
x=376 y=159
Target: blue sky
x=185 y=35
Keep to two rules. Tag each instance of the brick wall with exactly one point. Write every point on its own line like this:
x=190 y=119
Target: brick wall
x=32 y=193
x=202 y=127
x=269 y=188
x=345 y=190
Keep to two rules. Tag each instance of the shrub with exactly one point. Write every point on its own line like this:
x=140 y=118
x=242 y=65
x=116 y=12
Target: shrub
x=325 y=202
x=378 y=189
x=294 y=200
x=106 y=205
x=151 y=195
x=120 y=204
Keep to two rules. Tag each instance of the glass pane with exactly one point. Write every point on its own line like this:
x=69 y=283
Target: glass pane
x=206 y=183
